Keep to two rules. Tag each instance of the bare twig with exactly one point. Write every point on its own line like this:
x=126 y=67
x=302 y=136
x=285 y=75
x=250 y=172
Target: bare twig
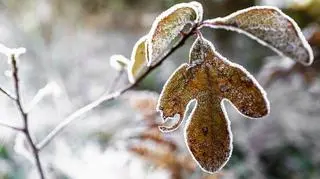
x=75 y=115
x=43 y=92
x=10 y=126
x=7 y=93
x=24 y=116
x=108 y=97
x=81 y=111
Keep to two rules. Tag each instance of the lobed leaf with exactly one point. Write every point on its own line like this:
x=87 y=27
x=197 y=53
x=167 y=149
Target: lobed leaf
x=138 y=63
x=167 y=27
x=270 y=27
x=209 y=79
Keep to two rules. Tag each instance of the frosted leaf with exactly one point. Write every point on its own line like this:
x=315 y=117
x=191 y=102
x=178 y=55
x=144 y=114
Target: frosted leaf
x=270 y=27
x=166 y=28
x=118 y=62
x=138 y=63
x=209 y=79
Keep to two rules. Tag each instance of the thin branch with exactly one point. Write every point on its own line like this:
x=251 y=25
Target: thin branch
x=81 y=111
x=10 y=126
x=7 y=93
x=24 y=116
x=74 y=116
x=43 y=92
x=107 y=96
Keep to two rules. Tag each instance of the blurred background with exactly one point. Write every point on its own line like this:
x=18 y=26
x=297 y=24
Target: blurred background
x=69 y=44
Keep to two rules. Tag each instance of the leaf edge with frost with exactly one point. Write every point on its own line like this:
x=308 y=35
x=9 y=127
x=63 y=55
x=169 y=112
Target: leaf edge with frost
x=211 y=23
x=196 y=6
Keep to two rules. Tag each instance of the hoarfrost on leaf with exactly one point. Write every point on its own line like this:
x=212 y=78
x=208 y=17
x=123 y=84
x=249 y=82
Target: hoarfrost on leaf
x=166 y=29
x=138 y=64
x=270 y=27
x=210 y=81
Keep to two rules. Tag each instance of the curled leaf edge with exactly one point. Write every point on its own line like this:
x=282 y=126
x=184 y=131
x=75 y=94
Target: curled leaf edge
x=131 y=77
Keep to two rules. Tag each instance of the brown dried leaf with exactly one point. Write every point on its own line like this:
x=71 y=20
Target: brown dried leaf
x=209 y=79
x=166 y=28
x=270 y=27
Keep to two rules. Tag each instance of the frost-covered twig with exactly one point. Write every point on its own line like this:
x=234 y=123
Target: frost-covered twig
x=10 y=126
x=107 y=96
x=7 y=93
x=75 y=115
x=24 y=116
x=50 y=88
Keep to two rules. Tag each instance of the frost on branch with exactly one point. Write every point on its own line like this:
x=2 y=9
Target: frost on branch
x=209 y=79
x=270 y=27
x=138 y=64
x=118 y=62
x=11 y=51
x=167 y=27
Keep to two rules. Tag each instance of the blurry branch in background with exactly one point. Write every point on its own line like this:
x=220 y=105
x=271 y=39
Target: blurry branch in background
x=109 y=96
x=4 y=91
x=10 y=126
x=24 y=116
x=13 y=55
x=50 y=88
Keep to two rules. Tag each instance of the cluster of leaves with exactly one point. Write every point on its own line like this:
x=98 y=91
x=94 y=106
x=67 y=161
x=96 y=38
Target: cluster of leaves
x=208 y=78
